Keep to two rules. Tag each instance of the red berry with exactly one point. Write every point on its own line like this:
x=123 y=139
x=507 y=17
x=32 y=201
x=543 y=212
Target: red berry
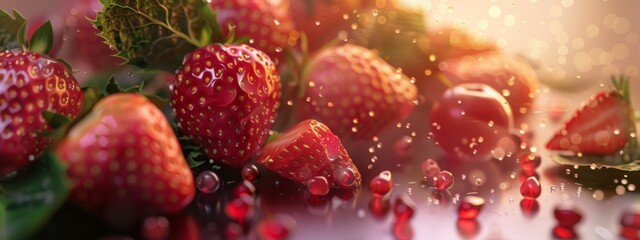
x=531 y=188
x=208 y=181
x=224 y=97
x=276 y=228
x=430 y=168
x=382 y=184
x=240 y=209
x=470 y=207
x=318 y=185
x=468 y=228
x=629 y=233
x=567 y=215
x=250 y=173
x=443 y=181
x=31 y=83
x=155 y=228
x=403 y=208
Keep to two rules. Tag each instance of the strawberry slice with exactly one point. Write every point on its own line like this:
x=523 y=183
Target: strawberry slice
x=306 y=150
x=603 y=125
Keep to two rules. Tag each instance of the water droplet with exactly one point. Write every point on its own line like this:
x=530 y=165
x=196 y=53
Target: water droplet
x=208 y=181
x=250 y=173
x=318 y=186
x=344 y=177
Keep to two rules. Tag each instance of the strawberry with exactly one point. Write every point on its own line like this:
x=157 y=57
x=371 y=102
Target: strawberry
x=306 y=150
x=354 y=91
x=454 y=42
x=264 y=22
x=603 y=125
x=124 y=156
x=31 y=83
x=224 y=97
x=323 y=20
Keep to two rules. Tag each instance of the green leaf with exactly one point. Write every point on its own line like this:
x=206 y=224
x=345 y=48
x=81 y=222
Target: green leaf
x=65 y=63
x=272 y=137
x=157 y=100
x=191 y=159
x=152 y=34
x=55 y=120
x=32 y=198
x=42 y=39
x=10 y=29
x=621 y=162
x=211 y=27
x=112 y=87
x=90 y=96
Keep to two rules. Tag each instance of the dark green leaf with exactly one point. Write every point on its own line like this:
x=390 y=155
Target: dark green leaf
x=135 y=88
x=32 y=198
x=42 y=39
x=211 y=27
x=66 y=64
x=192 y=159
x=152 y=34
x=55 y=120
x=90 y=96
x=112 y=87
x=9 y=29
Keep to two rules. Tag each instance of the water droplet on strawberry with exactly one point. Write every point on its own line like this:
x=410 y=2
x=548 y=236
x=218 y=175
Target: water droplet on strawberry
x=381 y=185
x=277 y=228
x=240 y=209
x=250 y=173
x=531 y=188
x=344 y=177
x=155 y=228
x=470 y=207
x=208 y=182
x=318 y=186
x=403 y=208
x=443 y=181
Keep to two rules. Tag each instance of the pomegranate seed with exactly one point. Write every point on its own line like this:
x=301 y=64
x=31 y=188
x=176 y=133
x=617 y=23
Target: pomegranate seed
x=403 y=146
x=250 y=173
x=468 y=228
x=276 y=228
x=318 y=185
x=567 y=215
x=529 y=207
x=402 y=230
x=529 y=162
x=234 y=231
x=561 y=232
x=470 y=207
x=379 y=206
x=443 y=181
x=522 y=177
x=208 y=181
x=531 y=188
x=430 y=168
x=631 y=217
x=403 y=208
x=240 y=209
x=245 y=188
x=381 y=185
x=629 y=233
x=155 y=228
x=344 y=177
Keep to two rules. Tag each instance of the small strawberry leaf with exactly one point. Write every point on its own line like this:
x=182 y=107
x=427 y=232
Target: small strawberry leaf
x=211 y=27
x=32 y=198
x=66 y=64
x=192 y=159
x=10 y=29
x=55 y=120
x=42 y=39
x=112 y=87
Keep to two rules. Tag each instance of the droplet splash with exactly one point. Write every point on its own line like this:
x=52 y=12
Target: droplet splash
x=208 y=181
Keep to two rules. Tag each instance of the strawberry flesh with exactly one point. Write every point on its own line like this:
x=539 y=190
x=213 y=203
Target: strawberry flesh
x=306 y=150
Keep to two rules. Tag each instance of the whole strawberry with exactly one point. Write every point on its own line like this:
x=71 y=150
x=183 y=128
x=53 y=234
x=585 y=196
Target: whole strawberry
x=310 y=149
x=124 y=156
x=264 y=22
x=354 y=91
x=31 y=83
x=224 y=97
x=323 y=20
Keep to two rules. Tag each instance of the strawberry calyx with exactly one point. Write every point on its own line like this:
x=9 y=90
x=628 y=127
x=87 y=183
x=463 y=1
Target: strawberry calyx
x=623 y=92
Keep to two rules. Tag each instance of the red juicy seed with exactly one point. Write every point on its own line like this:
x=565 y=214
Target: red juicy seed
x=529 y=162
x=403 y=208
x=276 y=228
x=567 y=215
x=403 y=146
x=443 y=181
x=529 y=207
x=381 y=185
x=379 y=206
x=561 y=232
x=402 y=230
x=240 y=209
x=430 y=168
x=245 y=188
x=631 y=217
x=629 y=233
x=531 y=188
x=468 y=228
x=155 y=228
x=470 y=207
x=233 y=231
x=250 y=173
x=318 y=186
x=208 y=182
x=344 y=177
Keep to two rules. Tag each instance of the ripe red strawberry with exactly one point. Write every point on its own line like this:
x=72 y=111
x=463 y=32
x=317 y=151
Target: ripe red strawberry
x=224 y=97
x=354 y=91
x=124 y=156
x=323 y=20
x=264 y=22
x=509 y=75
x=31 y=83
x=603 y=125
x=306 y=150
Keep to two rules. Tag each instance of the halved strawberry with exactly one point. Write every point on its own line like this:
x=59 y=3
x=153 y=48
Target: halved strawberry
x=306 y=150
x=603 y=125
x=125 y=159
